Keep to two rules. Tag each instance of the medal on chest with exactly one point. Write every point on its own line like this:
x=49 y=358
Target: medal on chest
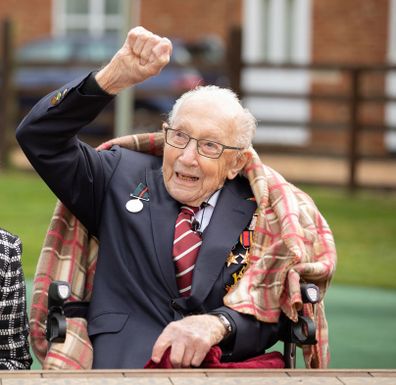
x=135 y=205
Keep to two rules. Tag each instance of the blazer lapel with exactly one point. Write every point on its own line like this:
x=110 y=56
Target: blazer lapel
x=163 y=211
x=232 y=214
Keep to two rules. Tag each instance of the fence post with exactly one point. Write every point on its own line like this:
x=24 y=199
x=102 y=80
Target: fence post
x=234 y=59
x=354 y=128
x=6 y=88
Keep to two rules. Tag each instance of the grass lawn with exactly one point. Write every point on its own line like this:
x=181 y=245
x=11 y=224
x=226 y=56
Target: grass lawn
x=26 y=206
x=364 y=226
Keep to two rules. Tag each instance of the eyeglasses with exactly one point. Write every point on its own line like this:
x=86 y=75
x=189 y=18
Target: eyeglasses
x=207 y=148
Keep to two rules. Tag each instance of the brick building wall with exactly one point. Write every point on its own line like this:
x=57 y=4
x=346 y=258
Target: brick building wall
x=343 y=31
x=349 y=32
x=32 y=18
x=190 y=20
x=352 y=31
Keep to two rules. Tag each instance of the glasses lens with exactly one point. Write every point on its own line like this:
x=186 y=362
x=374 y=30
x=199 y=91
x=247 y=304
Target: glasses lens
x=210 y=149
x=177 y=138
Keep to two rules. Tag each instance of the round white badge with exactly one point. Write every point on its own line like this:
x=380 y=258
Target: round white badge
x=134 y=205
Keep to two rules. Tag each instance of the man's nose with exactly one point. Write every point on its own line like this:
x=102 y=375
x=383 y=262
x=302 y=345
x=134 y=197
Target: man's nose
x=190 y=153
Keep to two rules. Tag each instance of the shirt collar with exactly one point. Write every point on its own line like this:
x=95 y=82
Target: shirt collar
x=213 y=199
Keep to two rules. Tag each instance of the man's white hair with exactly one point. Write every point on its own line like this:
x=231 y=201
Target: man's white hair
x=245 y=122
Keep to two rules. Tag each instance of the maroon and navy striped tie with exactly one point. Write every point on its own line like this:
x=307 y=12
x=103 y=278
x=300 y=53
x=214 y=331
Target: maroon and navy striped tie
x=186 y=246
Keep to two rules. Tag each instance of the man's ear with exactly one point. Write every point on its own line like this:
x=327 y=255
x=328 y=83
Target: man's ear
x=239 y=163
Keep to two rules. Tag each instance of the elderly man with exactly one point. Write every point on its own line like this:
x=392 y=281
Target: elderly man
x=152 y=214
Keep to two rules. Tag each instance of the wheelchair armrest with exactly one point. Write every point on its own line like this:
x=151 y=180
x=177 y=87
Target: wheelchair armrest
x=58 y=293
x=58 y=310
x=302 y=332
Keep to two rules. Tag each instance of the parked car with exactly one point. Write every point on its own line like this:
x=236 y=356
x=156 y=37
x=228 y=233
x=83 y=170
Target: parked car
x=48 y=63
x=209 y=53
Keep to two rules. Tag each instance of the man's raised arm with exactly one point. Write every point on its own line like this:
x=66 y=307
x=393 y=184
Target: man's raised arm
x=48 y=134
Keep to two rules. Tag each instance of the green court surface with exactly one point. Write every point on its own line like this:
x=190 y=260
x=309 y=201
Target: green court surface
x=362 y=327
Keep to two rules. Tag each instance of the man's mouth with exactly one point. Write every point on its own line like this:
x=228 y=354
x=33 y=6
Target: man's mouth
x=186 y=178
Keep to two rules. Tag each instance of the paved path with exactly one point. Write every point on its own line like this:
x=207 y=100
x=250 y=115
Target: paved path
x=201 y=377
x=332 y=171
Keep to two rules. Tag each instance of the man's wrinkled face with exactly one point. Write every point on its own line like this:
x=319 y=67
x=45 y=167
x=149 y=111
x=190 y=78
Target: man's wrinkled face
x=191 y=178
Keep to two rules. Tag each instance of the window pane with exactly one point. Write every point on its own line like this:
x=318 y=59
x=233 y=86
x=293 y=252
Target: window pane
x=72 y=31
x=113 y=7
x=111 y=31
x=48 y=50
x=77 y=6
x=97 y=49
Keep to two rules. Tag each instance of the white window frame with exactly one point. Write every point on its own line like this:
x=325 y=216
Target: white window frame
x=286 y=40
x=96 y=20
x=277 y=42
x=390 y=86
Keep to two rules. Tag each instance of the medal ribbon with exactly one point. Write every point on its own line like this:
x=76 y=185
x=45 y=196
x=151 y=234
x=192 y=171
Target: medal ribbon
x=141 y=192
x=246 y=239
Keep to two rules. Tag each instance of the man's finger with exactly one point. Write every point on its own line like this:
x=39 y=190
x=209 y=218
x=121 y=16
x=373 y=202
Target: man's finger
x=177 y=354
x=187 y=357
x=140 y=42
x=147 y=49
x=159 y=348
x=133 y=35
x=198 y=357
x=161 y=52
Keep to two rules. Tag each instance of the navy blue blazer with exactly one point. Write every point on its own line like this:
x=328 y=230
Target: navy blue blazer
x=135 y=292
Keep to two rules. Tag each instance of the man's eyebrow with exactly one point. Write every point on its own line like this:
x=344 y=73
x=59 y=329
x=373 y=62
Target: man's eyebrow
x=213 y=138
x=207 y=136
x=179 y=127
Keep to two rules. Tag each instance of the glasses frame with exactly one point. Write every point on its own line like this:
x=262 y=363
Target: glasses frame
x=223 y=146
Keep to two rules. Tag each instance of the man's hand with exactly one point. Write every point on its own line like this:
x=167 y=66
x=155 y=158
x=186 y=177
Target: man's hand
x=143 y=55
x=190 y=339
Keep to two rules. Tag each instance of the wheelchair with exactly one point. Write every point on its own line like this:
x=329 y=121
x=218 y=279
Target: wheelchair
x=297 y=333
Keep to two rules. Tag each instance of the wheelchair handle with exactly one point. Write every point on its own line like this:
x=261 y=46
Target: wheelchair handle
x=309 y=293
x=302 y=332
x=58 y=293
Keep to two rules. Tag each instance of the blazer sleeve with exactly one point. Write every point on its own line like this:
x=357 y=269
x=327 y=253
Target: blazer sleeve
x=14 y=329
x=73 y=170
x=249 y=337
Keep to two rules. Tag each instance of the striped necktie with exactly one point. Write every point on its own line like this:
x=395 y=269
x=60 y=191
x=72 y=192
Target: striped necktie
x=186 y=246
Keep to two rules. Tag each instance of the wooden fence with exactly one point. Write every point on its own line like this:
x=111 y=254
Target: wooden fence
x=6 y=95
x=362 y=90
x=355 y=137
x=363 y=112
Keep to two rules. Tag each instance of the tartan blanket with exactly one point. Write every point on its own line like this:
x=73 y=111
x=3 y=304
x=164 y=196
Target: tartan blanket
x=291 y=242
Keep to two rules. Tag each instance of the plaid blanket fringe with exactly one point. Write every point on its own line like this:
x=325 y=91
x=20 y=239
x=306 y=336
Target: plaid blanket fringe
x=291 y=242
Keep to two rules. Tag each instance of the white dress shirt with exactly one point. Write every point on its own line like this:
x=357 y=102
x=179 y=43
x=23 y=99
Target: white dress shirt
x=204 y=215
